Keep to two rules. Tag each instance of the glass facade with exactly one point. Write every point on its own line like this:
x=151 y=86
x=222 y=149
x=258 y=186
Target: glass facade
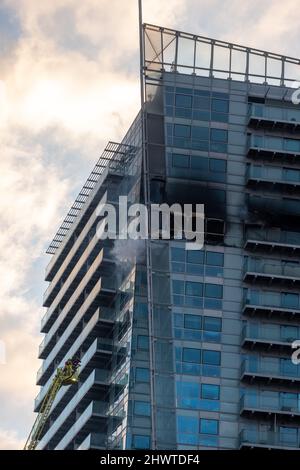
x=186 y=349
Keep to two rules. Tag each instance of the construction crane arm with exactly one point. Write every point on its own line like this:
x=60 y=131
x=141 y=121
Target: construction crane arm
x=66 y=375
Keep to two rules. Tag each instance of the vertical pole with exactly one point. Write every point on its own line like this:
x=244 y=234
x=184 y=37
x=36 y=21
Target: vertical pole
x=146 y=185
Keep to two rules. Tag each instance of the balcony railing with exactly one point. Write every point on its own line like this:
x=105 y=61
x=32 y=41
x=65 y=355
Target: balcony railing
x=95 y=409
x=94 y=441
x=272 y=271
x=270 y=334
x=273 y=240
x=274 y=117
x=273 y=147
x=66 y=412
x=272 y=303
x=95 y=347
x=270 y=369
x=273 y=177
x=270 y=403
x=269 y=439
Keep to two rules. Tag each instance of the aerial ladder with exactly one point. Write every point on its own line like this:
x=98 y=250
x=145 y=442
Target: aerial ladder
x=67 y=375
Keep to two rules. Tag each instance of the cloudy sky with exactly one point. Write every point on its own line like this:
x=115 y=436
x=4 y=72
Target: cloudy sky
x=68 y=84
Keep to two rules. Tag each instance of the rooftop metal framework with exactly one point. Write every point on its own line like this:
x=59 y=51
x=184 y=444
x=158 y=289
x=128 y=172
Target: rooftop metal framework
x=116 y=157
x=175 y=51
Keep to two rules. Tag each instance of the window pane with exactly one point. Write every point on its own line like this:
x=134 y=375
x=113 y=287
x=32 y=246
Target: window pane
x=212 y=324
x=142 y=408
x=211 y=357
x=187 y=424
x=191 y=355
x=184 y=101
x=142 y=374
x=209 y=426
x=214 y=259
x=178 y=287
x=221 y=106
x=217 y=165
x=180 y=161
x=194 y=288
x=140 y=442
x=218 y=135
x=211 y=392
x=182 y=131
x=214 y=291
x=201 y=102
x=178 y=254
x=192 y=321
x=143 y=342
x=195 y=256
x=200 y=133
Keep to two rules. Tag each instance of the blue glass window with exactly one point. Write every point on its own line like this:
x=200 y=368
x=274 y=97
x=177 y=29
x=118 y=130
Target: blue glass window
x=209 y=426
x=192 y=321
x=178 y=287
x=194 y=288
x=143 y=342
x=212 y=324
x=195 y=256
x=184 y=101
x=178 y=254
x=210 y=392
x=221 y=106
x=214 y=258
x=200 y=133
x=182 y=131
x=140 y=442
x=187 y=424
x=290 y=300
x=214 y=291
x=180 y=160
x=191 y=355
x=202 y=102
x=218 y=135
x=142 y=408
x=142 y=374
x=211 y=357
x=217 y=165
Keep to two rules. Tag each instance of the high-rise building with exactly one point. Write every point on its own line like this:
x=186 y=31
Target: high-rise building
x=185 y=349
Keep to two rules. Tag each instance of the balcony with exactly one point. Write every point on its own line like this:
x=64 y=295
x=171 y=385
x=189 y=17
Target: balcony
x=94 y=441
x=66 y=418
x=275 y=208
x=272 y=272
x=273 y=148
x=268 y=337
x=91 y=418
x=270 y=370
x=268 y=440
x=266 y=404
x=84 y=338
x=271 y=304
x=262 y=116
x=92 y=358
x=272 y=241
x=77 y=296
x=273 y=178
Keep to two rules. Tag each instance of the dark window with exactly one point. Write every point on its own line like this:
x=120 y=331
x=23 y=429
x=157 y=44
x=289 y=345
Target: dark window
x=214 y=291
x=211 y=357
x=178 y=254
x=201 y=102
x=194 y=288
x=178 y=287
x=191 y=355
x=180 y=161
x=182 y=131
x=212 y=324
x=200 y=133
x=217 y=165
x=195 y=256
x=220 y=106
x=192 y=321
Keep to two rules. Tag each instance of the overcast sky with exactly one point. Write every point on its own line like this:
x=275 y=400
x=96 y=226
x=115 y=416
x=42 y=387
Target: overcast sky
x=69 y=72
